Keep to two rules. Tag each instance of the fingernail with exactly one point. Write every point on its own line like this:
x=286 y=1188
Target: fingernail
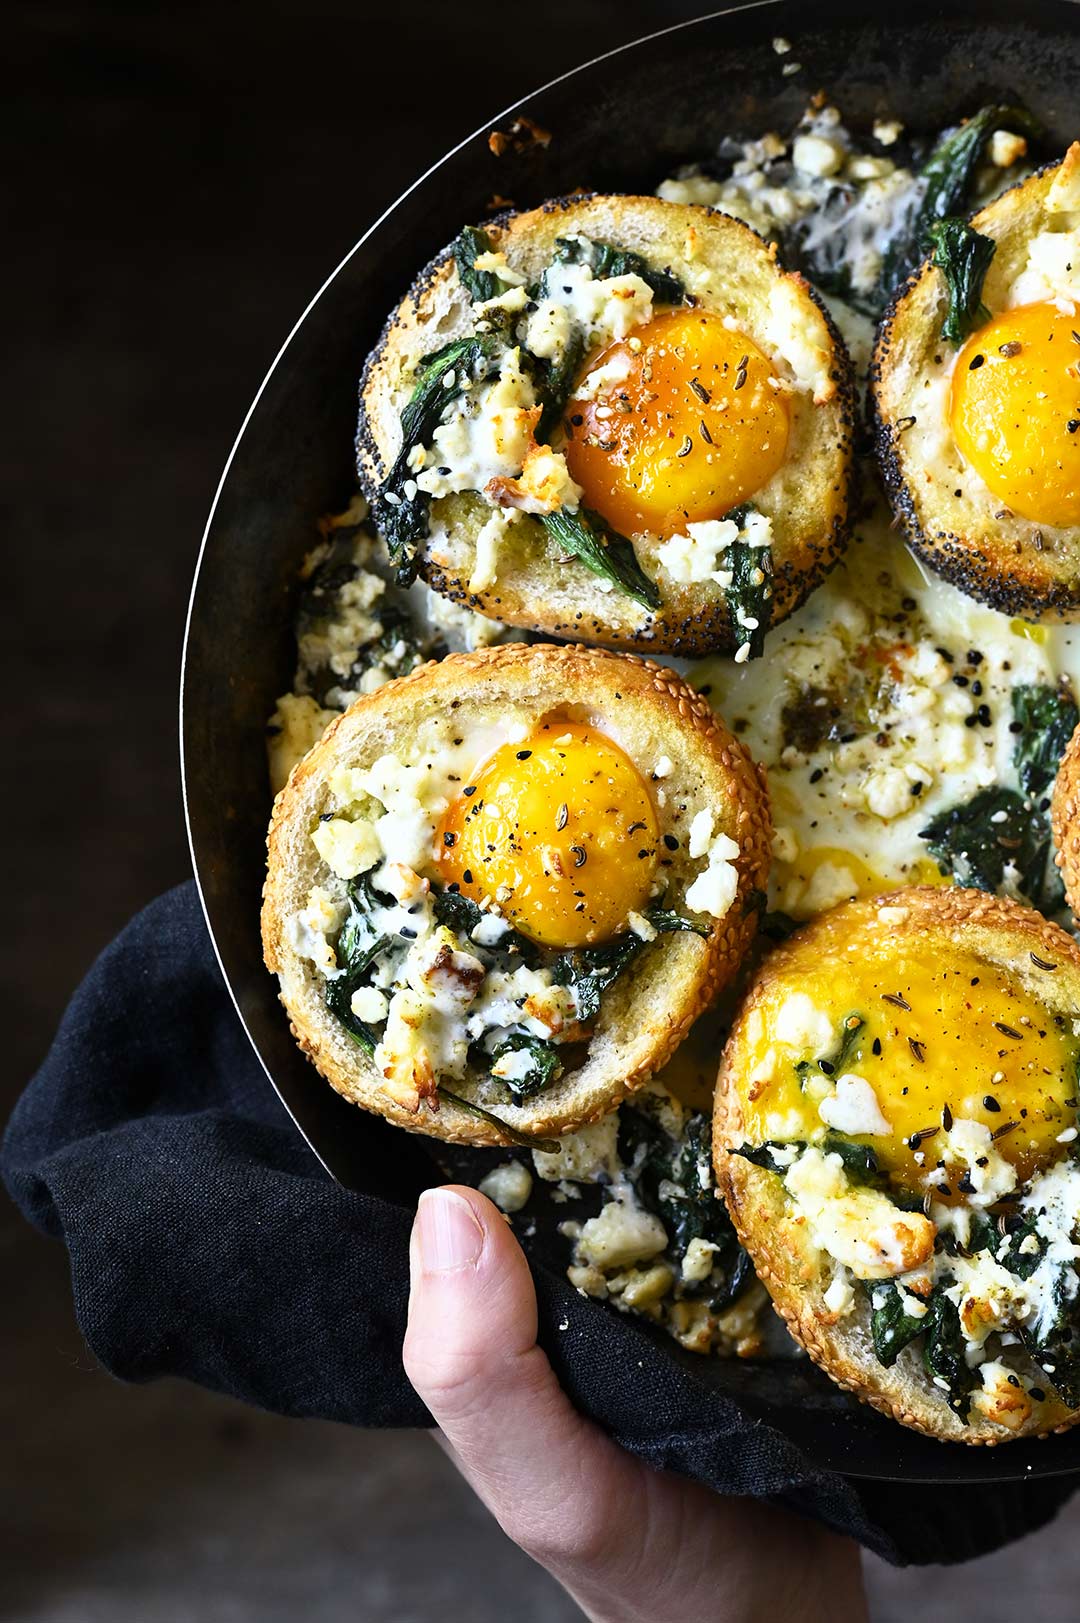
x=449 y=1231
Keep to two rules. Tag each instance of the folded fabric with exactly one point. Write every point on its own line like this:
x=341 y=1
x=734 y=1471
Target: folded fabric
x=206 y=1241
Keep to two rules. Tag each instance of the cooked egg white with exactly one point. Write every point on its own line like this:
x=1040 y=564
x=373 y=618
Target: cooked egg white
x=884 y=700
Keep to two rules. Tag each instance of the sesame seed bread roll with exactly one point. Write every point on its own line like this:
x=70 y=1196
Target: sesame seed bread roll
x=500 y=889
x=895 y=1131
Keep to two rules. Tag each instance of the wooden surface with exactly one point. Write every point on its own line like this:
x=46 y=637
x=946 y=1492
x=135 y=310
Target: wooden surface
x=180 y=183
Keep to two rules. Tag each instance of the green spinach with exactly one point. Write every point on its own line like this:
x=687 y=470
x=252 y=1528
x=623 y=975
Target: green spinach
x=673 y=1178
x=358 y=945
x=749 y=596
x=1054 y=1341
x=943 y=1353
x=401 y=519
x=891 y=1325
x=605 y=260
x=945 y=184
x=1047 y=718
x=963 y=256
x=545 y=1064
x=549 y=1146
x=589 y=971
x=585 y=536
x=554 y=380
x=469 y=245
x=978 y=839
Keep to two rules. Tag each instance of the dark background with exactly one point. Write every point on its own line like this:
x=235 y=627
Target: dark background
x=179 y=184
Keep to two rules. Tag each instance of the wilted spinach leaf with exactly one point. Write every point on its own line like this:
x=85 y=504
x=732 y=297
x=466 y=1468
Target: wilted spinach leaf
x=545 y=1064
x=591 y=970
x=943 y=1353
x=1054 y=1342
x=358 y=944
x=585 y=536
x=963 y=256
x=469 y=244
x=749 y=596
x=946 y=181
x=977 y=840
x=674 y=1180
x=403 y=520
x=525 y=1141
x=891 y=1325
x=1048 y=718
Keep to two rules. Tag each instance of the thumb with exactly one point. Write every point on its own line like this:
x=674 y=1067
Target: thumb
x=470 y=1351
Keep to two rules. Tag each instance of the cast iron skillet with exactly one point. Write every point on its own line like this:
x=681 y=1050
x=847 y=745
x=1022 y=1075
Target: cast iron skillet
x=619 y=123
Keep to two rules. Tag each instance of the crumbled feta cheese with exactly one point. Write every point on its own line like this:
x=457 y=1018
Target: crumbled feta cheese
x=858 y=1227
x=839 y=1298
x=347 y=848
x=701 y=830
x=370 y=1005
x=620 y=1235
x=1005 y=148
x=488 y=541
x=336 y=641
x=603 y=309
x=308 y=930
x=1052 y=271
x=887 y=131
x=694 y=557
x=697 y=1263
x=591 y=1155
x=509 y=1186
x=640 y=926
x=801 y=1025
x=486 y=436
x=297 y=724
x=795 y=330
x=853 y=1108
x=714 y=890
x=815 y=155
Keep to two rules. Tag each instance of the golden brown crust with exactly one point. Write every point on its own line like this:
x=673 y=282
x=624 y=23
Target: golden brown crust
x=1065 y=820
x=947 y=515
x=647 y=1012
x=812 y=497
x=793 y=1271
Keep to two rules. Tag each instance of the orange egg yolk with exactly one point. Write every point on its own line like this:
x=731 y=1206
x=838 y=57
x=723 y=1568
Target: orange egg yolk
x=942 y=1037
x=558 y=830
x=691 y=423
x=1015 y=411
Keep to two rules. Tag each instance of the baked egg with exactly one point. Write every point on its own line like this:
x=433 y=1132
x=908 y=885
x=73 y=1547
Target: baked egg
x=646 y=433
x=979 y=437
x=558 y=831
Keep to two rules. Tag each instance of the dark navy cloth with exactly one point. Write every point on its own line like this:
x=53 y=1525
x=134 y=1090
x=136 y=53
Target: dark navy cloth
x=207 y=1242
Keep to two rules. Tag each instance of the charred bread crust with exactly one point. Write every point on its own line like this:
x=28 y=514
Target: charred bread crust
x=793 y=1271
x=1065 y=821
x=647 y=1012
x=818 y=508
x=994 y=559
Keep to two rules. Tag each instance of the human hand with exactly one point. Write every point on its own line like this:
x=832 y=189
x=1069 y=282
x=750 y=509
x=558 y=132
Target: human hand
x=630 y=1544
